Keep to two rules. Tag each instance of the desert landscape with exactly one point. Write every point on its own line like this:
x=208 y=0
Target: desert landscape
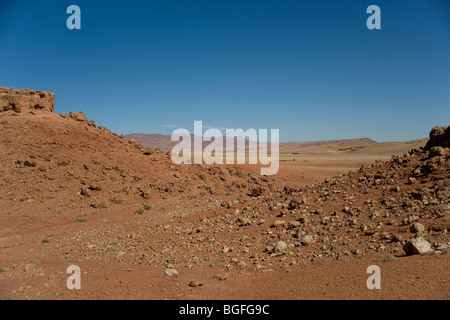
x=140 y=227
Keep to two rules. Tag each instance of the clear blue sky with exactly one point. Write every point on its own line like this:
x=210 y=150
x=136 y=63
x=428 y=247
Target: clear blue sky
x=309 y=68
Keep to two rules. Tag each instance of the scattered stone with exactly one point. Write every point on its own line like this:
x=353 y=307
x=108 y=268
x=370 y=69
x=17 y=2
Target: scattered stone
x=29 y=267
x=4 y=269
x=256 y=192
x=300 y=234
x=30 y=163
x=417 y=246
x=85 y=192
x=294 y=224
x=280 y=246
x=278 y=223
x=416 y=227
x=95 y=186
x=220 y=277
x=306 y=240
x=389 y=258
x=171 y=273
x=269 y=249
x=194 y=284
x=244 y=221
x=420 y=234
x=397 y=238
x=145 y=193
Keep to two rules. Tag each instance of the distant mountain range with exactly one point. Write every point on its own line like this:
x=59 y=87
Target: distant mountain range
x=163 y=142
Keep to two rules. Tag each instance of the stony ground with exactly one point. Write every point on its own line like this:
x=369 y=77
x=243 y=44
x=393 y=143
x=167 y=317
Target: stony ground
x=139 y=227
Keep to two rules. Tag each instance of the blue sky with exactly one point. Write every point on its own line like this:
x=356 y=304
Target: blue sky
x=309 y=68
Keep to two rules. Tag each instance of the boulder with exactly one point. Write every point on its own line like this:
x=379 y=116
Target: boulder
x=417 y=246
x=79 y=116
x=23 y=100
x=439 y=137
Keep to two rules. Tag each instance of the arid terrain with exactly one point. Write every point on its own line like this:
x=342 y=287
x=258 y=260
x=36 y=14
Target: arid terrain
x=140 y=227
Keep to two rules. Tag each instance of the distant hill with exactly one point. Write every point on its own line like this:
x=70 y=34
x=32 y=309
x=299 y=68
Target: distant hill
x=329 y=142
x=163 y=142
x=152 y=140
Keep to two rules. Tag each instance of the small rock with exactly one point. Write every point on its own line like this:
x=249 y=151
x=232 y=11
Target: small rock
x=417 y=246
x=300 y=234
x=420 y=234
x=29 y=268
x=244 y=221
x=416 y=227
x=294 y=224
x=278 y=223
x=389 y=258
x=85 y=192
x=95 y=187
x=220 y=277
x=397 y=238
x=171 y=273
x=269 y=249
x=194 y=284
x=411 y=180
x=280 y=246
x=437 y=152
x=306 y=240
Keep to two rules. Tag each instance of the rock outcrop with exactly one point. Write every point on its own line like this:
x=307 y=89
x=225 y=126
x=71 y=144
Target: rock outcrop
x=26 y=101
x=439 y=137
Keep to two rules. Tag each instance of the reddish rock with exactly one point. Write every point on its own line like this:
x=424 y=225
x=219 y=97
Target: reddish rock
x=23 y=100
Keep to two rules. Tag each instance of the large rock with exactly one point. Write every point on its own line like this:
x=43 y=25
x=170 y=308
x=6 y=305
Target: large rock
x=26 y=101
x=417 y=246
x=439 y=137
x=79 y=116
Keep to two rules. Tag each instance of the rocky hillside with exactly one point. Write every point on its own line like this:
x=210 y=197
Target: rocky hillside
x=63 y=164
x=391 y=208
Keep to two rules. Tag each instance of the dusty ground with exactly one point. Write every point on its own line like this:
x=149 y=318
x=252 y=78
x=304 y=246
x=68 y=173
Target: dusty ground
x=73 y=194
